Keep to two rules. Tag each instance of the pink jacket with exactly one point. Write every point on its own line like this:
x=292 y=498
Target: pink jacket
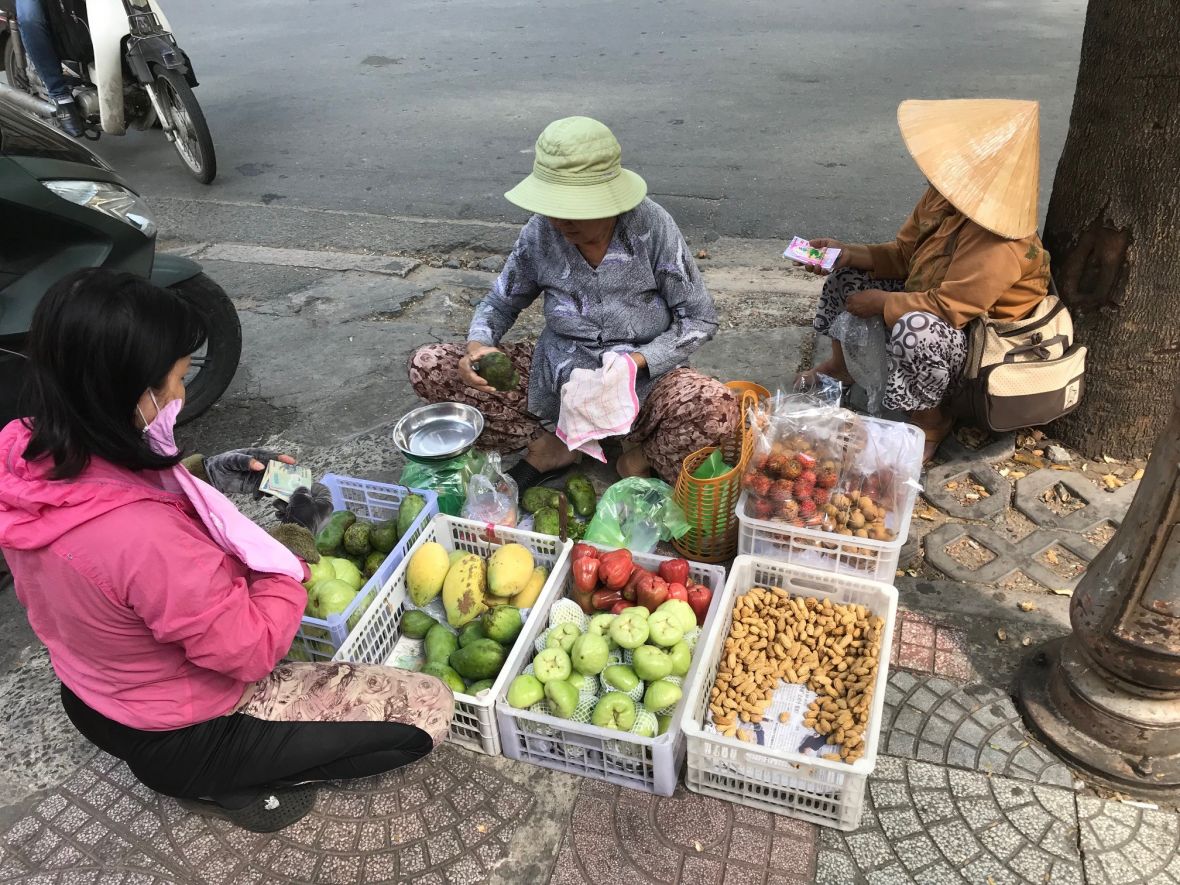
x=146 y=619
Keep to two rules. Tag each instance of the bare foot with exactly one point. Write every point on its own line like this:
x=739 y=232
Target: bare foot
x=936 y=425
x=633 y=463
x=546 y=452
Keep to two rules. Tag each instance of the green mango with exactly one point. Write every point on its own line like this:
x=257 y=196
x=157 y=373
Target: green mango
x=331 y=536
x=502 y=623
x=496 y=369
x=481 y=659
x=471 y=632
x=477 y=687
x=411 y=506
x=453 y=680
x=440 y=644
x=383 y=536
x=580 y=492
x=416 y=624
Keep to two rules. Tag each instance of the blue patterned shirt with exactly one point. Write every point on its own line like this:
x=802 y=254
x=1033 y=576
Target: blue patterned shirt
x=647 y=296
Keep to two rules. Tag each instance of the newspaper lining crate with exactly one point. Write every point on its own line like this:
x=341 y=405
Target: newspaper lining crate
x=641 y=763
x=474 y=724
x=825 y=551
x=318 y=639
x=828 y=793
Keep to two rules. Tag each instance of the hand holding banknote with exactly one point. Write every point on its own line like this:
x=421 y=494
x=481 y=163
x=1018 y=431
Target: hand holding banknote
x=241 y=471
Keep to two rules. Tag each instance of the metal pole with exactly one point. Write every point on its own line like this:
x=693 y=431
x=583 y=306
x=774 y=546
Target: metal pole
x=1107 y=696
x=26 y=102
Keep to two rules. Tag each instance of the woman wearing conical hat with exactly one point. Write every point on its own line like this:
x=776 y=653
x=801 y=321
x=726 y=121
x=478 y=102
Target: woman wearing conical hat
x=969 y=248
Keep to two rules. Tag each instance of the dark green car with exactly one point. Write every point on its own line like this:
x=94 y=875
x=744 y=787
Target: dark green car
x=63 y=209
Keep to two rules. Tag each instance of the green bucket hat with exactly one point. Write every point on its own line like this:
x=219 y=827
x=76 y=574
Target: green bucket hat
x=578 y=174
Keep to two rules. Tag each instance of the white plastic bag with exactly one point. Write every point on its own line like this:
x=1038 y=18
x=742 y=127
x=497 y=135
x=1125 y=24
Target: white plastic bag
x=491 y=495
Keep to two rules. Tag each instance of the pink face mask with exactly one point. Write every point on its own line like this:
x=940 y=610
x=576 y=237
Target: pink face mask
x=161 y=432
x=229 y=529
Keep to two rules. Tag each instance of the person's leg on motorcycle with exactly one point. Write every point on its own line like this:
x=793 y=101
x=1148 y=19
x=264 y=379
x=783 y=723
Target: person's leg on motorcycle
x=37 y=37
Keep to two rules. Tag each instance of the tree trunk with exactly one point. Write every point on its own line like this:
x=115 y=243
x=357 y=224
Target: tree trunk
x=1114 y=221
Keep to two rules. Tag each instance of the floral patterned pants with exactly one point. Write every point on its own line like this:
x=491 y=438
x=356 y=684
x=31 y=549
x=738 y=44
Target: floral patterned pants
x=684 y=411
x=927 y=354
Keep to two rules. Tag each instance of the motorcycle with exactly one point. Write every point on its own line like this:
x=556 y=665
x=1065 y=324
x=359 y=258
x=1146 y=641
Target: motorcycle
x=63 y=209
x=130 y=72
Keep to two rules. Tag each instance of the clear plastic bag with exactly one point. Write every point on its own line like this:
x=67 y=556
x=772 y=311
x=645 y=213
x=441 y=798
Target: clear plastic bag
x=491 y=495
x=820 y=389
x=447 y=478
x=863 y=340
x=832 y=470
x=637 y=513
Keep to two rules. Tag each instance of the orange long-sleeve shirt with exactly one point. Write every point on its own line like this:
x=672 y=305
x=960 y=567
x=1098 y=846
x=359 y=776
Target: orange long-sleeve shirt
x=956 y=270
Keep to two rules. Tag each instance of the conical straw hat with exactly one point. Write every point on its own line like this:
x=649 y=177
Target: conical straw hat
x=982 y=155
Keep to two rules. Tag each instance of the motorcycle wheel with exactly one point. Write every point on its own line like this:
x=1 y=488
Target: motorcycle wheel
x=190 y=135
x=17 y=78
x=215 y=364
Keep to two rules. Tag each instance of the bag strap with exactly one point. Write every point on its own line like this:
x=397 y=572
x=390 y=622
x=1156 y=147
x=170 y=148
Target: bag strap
x=1039 y=348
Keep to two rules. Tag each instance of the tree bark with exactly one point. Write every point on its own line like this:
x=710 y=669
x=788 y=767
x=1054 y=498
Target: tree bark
x=1113 y=226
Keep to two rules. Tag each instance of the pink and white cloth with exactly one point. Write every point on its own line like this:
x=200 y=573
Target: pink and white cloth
x=597 y=404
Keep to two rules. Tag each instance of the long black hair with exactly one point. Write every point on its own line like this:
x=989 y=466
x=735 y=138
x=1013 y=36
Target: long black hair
x=99 y=339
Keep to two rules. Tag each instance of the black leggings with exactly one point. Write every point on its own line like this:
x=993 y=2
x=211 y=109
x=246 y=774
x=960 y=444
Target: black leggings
x=232 y=757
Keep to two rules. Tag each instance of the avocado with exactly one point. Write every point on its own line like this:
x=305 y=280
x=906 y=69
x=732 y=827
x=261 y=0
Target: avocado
x=356 y=539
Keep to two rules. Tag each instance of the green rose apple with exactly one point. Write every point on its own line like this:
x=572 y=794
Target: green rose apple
x=684 y=613
x=635 y=611
x=563 y=636
x=629 y=631
x=664 y=629
x=661 y=694
x=620 y=677
x=614 y=710
x=681 y=656
x=600 y=625
x=651 y=663
x=525 y=691
x=665 y=722
x=589 y=653
x=551 y=664
x=562 y=697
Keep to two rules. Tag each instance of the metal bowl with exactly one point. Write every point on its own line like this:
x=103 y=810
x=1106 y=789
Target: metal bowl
x=438 y=431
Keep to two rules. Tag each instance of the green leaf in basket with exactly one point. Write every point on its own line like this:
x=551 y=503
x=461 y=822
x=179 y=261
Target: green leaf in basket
x=712 y=467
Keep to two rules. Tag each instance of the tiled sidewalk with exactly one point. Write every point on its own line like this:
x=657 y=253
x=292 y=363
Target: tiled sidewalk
x=961 y=794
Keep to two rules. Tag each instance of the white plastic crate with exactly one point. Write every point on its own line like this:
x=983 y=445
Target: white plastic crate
x=825 y=792
x=650 y=764
x=319 y=638
x=373 y=640
x=827 y=551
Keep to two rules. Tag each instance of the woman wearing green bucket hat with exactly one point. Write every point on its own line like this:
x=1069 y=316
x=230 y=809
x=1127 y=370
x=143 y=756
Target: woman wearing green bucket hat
x=616 y=275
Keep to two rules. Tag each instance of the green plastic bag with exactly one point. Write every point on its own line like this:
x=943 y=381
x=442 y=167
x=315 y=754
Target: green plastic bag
x=712 y=467
x=637 y=513
x=446 y=478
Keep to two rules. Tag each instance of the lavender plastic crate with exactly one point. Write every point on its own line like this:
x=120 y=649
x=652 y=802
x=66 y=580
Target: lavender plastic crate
x=825 y=792
x=377 y=633
x=649 y=764
x=318 y=639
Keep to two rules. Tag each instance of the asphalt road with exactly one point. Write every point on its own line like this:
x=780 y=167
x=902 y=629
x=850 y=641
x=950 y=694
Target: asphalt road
x=758 y=118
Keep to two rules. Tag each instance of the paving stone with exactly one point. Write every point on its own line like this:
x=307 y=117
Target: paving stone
x=1011 y=830
x=707 y=840
x=999 y=489
x=1010 y=556
x=102 y=820
x=1126 y=845
x=1101 y=505
x=974 y=727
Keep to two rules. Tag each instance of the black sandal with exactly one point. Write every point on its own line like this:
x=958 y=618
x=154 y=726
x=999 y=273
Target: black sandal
x=269 y=811
x=525 y=475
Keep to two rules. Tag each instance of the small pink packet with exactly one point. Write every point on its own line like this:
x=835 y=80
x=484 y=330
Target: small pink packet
x=802 y=251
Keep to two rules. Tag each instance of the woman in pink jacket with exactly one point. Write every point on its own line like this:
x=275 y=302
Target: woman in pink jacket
x=165 y=611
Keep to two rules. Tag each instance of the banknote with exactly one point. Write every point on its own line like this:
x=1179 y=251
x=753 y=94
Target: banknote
x=281 y=480
x=802 y=251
